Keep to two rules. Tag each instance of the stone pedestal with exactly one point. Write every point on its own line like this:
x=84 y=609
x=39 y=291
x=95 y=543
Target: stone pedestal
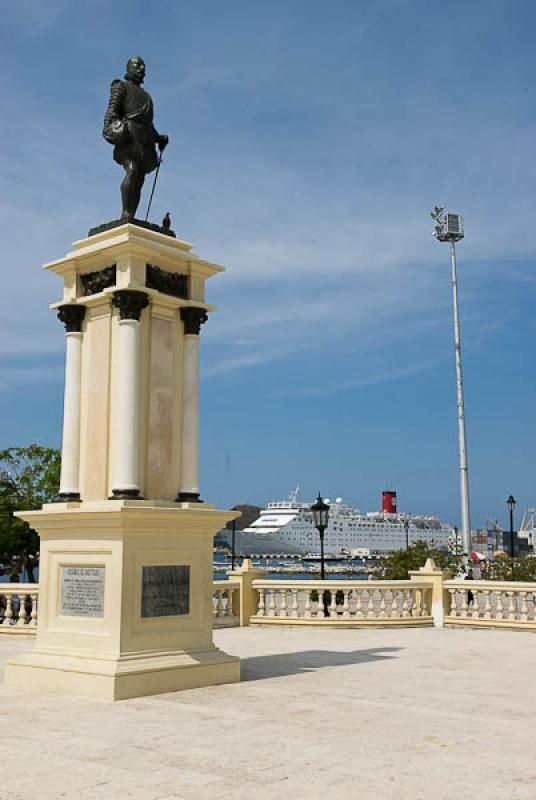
x=125 y=582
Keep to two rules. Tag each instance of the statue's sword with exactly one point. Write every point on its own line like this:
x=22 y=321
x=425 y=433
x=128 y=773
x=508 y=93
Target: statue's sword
x=154 y=186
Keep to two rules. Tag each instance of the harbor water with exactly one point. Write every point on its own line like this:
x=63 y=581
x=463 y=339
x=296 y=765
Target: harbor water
x=295 y=568
x=291 y=568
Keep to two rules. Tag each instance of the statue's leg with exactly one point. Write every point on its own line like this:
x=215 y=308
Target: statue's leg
x=131 y=189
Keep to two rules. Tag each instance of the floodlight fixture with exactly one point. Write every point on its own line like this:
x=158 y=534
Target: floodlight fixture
x=448 y=227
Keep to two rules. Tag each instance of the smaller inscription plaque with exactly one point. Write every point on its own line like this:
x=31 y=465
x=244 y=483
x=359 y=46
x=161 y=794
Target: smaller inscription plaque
x=82 y=591
x=165 y=591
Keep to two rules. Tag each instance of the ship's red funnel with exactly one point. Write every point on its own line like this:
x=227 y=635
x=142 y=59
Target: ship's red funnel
x=389 y=502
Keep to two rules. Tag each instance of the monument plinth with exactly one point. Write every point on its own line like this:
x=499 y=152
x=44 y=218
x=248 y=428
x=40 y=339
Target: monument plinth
x=125 y=605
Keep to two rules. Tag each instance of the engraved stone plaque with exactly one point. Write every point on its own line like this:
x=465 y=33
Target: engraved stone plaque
x=165 y=591
x=82 y=591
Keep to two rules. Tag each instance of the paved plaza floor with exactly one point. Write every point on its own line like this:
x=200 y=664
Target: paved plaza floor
x=357 y=714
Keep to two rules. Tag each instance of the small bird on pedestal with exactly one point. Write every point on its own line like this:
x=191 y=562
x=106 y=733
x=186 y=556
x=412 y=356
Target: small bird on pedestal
x=166 y=222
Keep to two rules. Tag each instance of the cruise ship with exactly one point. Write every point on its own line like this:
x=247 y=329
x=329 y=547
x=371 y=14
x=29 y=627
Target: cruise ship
x=287 y=527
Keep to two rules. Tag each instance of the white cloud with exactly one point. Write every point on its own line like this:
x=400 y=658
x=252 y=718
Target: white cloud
x=334 y=387
x=34 y=15
x=11 y=376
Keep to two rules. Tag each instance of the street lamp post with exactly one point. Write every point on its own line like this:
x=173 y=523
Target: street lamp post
x=320 y=512
x=406 y=528
x=233 y=536
x=511 y=503
x=449 y=228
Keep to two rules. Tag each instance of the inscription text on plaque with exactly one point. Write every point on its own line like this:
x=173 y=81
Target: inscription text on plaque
x=82 y=591
x=165 y=591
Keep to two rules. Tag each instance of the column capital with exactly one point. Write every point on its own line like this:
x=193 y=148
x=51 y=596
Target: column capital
x=193 y=317
x=130 y=303
x=72 y=317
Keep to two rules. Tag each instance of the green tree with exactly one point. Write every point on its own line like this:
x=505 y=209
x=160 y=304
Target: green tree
x=396 y=567
x=503 y=568
x=29 y=477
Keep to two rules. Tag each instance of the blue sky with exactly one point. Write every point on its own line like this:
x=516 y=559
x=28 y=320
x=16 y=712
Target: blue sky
x=309 y=141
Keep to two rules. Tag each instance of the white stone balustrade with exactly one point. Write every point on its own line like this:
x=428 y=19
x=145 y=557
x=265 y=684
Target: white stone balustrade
x=349 y=603
x=491 y=603
x=19 y=607
x=224 y=604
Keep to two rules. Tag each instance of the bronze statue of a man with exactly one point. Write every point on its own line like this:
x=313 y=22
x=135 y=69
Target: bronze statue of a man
x=128 y=125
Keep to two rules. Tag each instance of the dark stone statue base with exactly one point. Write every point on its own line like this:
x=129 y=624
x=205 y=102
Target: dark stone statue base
x=188 y=497
x=115 y=223
x=126 y=494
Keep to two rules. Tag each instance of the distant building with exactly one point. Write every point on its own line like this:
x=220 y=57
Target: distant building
x=249 y=514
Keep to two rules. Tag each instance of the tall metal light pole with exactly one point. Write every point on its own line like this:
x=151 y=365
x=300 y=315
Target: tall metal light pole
x=406 y=528
x=449 y=228
x=511 y=503
x=320 y=512
x=233 y=541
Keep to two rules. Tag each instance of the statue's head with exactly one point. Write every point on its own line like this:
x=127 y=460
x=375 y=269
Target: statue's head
x=135 y=69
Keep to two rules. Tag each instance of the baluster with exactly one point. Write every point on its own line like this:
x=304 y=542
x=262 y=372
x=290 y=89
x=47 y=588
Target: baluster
x=511 y=605
x=229 y=607
x=532 y=612
x=417 y=603
x=499 y=613
x=8 y=619
x=22 y=610
x=524 y=607
x=370 y=609
x=333 y=604
x=383 y=611
x=365 y=601
x=424 y=602
x=453 y=603
x=414 y=606
x=406 y=605
x=320 y=606
x=395 y=603
x=308 y=606
x=464 y=605
x=283 y=608
x=294 y=611
x=359 y=603
x=224 y=602
x=475 y=607
x=346 y=603
x=261 y=609
x=487 y=603
x=33 y=616
x=219 y=604
x=402 y=603
x=271 y=603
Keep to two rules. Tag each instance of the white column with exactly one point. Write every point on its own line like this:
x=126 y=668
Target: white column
x=72 y=317
x=127 y=410
x=192 y=318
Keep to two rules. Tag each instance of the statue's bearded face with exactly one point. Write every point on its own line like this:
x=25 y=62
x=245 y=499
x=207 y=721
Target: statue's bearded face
x=136 y=69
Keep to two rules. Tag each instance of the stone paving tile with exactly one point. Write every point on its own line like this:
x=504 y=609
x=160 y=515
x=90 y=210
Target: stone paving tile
x=383 y=714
